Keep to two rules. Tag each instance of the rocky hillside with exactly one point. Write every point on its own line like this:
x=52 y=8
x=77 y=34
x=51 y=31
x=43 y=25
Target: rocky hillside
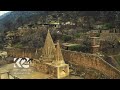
x=13 y=20
x=82 y=20
x=17 y=18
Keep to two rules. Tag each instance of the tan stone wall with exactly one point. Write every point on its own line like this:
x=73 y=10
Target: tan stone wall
x=25 y=52
x=39 y=66
x=91 y=61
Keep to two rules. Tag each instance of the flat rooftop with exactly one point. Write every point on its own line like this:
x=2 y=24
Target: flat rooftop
x=69 y=44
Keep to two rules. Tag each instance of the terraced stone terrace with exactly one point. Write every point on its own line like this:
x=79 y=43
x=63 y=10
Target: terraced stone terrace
x=21 y=73
x=9 y=72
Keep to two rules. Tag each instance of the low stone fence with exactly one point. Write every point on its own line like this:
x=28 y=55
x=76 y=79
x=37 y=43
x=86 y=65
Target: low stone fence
x=25 y=52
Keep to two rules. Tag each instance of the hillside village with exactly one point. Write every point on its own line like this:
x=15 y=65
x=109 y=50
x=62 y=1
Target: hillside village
x=90 y=48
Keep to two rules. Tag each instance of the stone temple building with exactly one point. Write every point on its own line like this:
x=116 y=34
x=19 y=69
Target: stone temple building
x=52 y=61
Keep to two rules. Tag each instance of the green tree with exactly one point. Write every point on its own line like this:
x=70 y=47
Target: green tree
x=66 y=38
x=108 y=26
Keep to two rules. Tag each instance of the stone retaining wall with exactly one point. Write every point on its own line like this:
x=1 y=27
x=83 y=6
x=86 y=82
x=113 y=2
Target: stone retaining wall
x=91 y=61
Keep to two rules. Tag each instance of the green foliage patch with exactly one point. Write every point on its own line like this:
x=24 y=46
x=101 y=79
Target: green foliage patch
x=66 y=38
x=82 y=48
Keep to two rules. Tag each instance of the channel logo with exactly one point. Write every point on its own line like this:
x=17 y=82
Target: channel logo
x=22 y=62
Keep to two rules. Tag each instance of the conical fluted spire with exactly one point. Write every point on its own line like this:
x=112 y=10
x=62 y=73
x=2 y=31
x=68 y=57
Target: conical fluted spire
x=58 y=55
x=49 y=47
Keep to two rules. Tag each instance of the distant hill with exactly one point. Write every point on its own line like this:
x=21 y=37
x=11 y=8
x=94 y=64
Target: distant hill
x=17 y=18
x=14 y=19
